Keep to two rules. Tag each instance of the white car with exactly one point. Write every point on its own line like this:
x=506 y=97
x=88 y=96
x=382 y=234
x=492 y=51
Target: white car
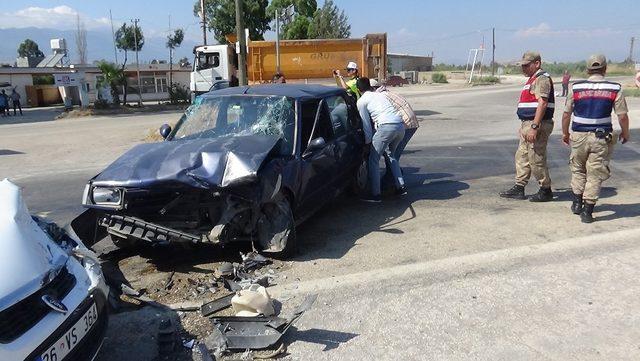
x=53 y=296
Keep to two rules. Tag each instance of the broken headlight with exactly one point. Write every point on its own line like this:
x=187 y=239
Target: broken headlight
x=106 y=196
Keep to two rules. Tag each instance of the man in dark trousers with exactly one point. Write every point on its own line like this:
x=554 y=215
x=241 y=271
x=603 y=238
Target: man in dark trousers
x=15 y=100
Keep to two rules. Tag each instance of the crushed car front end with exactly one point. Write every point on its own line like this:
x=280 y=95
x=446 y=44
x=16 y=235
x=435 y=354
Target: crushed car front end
x=207 y=183
x=53 y=296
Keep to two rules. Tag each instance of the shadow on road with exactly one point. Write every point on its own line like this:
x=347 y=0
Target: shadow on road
x=333 y=231
x=618 y=211
x=32 y=115
x=330 y=339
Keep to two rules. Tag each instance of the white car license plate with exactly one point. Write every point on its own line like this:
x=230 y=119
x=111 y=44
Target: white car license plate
x=72 y=337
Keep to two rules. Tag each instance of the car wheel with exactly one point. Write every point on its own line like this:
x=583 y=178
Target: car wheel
x=277 y=229
x=360 y=184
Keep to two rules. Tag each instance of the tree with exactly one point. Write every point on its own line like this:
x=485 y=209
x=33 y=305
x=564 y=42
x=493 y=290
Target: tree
x=173 y=41
x=293 y=25
x=329 y=23
x=113 y=77
x=297 y=29
x=126 y=37
x=81 y=40
x=29 y=49
x=221 y=17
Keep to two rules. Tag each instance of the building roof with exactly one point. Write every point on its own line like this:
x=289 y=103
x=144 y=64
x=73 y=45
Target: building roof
x=297 y=91
x=408 y=55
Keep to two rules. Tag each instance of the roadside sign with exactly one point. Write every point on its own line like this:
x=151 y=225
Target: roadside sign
x=66 y=79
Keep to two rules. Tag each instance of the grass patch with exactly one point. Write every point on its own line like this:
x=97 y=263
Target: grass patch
x=439 y=78
x=485 y=80
x=631 y=92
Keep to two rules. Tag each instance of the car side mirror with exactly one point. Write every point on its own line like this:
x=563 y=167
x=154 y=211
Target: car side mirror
x=317 y=143
x=165 y=130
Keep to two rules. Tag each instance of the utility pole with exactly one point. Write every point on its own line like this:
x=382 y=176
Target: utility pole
x=170 y=56
x=135 y=41
x=493 y=51
x=242 y=57
x=633 y=39
x=277 y=41
x=113 y=36
x=204 y=22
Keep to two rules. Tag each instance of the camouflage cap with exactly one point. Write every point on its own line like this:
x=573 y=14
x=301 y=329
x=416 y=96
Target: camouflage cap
x=596 y=61
x=528 y=57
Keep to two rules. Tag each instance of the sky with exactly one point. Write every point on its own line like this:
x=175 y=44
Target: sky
x=567 y=30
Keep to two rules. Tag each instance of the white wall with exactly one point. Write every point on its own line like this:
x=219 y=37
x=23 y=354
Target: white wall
x=19 y=81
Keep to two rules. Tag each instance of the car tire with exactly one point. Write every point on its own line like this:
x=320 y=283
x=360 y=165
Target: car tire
x=276 y=229
x=360 y=183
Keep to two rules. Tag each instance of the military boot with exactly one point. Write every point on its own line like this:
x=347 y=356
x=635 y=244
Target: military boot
x=515 y=192
x=587 y=213
x=544 y=195
x=578 y=203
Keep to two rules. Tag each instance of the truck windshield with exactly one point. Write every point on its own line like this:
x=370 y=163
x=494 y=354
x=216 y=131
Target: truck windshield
x=207 y=61
x=239 y=115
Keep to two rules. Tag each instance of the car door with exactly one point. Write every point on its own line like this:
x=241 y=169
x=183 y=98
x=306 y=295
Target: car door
x=318 y=165
x=348 y=138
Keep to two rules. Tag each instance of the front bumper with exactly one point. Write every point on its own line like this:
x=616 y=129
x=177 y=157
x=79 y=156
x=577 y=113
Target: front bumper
x=92 y=341
x=131 y=227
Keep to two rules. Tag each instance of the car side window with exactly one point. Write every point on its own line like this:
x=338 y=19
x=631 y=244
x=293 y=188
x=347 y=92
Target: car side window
x=308 y=116
x=339 y=113
x=324 y=126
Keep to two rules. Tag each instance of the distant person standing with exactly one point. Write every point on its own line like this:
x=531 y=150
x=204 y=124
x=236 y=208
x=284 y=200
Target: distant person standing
x=278 y=78
x=4 y=104
x=15 y=99
x=591 y=103
x=566 y=77
x=535 y=111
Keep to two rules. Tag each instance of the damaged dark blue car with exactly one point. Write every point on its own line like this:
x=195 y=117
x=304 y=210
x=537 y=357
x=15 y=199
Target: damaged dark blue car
x=242 y=164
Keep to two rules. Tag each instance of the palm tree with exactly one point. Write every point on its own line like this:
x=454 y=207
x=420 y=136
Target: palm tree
x=113 y=76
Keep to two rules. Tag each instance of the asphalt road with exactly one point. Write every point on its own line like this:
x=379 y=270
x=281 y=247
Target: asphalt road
x=450 y=271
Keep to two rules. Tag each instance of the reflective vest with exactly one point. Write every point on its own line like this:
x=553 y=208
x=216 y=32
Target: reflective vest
x=353 y=88
x=528 y=102
x=592 y=105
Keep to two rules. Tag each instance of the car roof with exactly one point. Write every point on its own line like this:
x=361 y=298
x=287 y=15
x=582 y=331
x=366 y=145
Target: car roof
x=297 y=91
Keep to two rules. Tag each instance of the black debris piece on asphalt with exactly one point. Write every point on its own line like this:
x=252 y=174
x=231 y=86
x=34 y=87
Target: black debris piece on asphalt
x=253 y=260
x=206 y=356
x=255 y=333
x=216 y=305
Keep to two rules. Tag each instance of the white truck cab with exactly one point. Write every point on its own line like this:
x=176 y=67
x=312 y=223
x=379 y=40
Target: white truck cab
x=212 y=63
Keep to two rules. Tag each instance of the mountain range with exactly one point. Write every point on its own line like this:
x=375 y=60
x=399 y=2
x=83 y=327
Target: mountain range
x=99 y=45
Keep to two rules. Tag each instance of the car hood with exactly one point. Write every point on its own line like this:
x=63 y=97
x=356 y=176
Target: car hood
x=28 y=256
x=201 y=163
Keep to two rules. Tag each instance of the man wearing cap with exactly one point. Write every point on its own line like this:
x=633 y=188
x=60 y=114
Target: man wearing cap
x=591 y=102
x=535 y=111
x=349 y=85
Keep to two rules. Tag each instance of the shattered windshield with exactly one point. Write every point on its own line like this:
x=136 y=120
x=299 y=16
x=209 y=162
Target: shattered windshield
x=239 y=115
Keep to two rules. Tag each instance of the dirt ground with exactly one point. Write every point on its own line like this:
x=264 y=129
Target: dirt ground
x=175 y=281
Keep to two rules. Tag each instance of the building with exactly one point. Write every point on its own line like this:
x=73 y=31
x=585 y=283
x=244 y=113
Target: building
x=404 y=62
x=154 y=79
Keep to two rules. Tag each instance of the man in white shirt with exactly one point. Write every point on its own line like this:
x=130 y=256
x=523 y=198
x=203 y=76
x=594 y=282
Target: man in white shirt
x=384 y=129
